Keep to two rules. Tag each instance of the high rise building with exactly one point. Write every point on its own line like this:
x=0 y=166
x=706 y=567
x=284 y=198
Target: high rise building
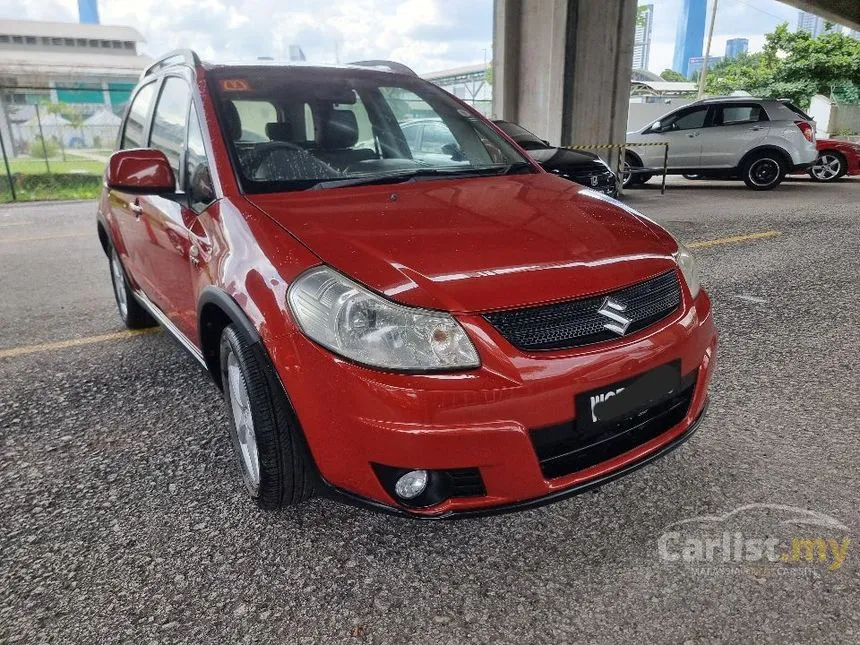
x=736 y=46
x=694 y=65
x=690 y=34
x=642 y=42
x=88 y=12
x=815 y=25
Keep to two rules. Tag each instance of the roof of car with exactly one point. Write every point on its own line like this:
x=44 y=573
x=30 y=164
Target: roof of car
x=191 y=59
x=734 y=99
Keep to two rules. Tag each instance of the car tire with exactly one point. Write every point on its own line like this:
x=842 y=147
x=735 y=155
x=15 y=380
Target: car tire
x=829 y=166
x=273 y=459
x=628 y=179
x=764 y=170
x=133 y=315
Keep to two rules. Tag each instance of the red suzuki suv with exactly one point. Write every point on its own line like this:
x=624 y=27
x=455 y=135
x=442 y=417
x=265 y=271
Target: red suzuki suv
x=420 y=320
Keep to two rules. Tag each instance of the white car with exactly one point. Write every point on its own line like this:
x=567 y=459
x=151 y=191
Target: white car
x=758 y=140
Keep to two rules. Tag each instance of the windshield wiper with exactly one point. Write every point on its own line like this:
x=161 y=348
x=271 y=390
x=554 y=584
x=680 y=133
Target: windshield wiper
x=400 y=177
x=367 y=180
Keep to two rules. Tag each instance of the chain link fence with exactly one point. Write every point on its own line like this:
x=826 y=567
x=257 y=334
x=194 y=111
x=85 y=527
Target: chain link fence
x=56 y=141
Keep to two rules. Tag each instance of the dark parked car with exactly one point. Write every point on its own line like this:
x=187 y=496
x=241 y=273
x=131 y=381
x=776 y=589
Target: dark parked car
x=582 y=167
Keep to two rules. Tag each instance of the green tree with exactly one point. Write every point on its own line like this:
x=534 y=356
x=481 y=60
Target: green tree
x=672 y=75
x=794 y=65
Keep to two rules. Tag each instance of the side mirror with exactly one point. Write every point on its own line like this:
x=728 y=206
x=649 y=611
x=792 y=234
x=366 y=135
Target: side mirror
x=655 y=127
x=546 y=143
x=141 y=170
x=453 y=151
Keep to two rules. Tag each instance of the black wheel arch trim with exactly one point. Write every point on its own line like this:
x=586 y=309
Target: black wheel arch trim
x=352 y=499
x=786 y=158
x=212 y=295
x=234 y=314
x=636 y=157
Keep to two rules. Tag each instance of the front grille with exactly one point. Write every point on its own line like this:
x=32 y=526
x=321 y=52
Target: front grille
x=576 y=322
x=604 y=178
x=562 y=449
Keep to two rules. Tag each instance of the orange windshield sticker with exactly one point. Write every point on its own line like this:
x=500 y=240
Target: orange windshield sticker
x=235 y=85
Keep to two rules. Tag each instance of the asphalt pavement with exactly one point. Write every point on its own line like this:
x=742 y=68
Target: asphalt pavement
x=123 y=520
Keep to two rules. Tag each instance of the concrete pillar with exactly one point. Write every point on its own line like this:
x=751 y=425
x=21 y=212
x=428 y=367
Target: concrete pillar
x=561 y=68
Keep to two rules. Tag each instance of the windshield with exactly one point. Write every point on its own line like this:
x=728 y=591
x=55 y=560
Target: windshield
x=303 y=127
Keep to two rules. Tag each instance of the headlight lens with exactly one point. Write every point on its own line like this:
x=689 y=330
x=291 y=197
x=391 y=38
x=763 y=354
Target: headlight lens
x=360 y=325
x=687 y=264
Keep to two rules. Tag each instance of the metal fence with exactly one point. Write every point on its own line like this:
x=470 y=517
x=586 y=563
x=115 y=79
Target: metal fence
x=56 y=141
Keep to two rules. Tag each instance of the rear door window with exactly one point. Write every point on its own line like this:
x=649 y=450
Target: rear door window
x=135 y=125
x=737 y=114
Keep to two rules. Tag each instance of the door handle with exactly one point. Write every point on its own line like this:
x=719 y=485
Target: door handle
x=756 y=128
x=694 y=134
x=136 y=208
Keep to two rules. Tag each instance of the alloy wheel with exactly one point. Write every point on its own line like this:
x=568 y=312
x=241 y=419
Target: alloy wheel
x=827 y=167
x=246 y=438
x=119 y=284
x=764 y=172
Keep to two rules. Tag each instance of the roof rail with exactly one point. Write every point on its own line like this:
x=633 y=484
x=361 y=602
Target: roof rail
x=389 y=65
x=176 y=57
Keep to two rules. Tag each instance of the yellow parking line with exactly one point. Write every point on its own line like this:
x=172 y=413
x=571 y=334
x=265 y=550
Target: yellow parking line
x=733 y=239
x=74 y=342
x=35 y=238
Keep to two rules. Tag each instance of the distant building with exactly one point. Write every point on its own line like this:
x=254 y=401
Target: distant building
x=736 y=46
x=68 y=62
x=88 y=11
x=91 y=67
x=689 y=35
x=642 y=42
x=816 y=25
x=468 y=83
x=694 y=65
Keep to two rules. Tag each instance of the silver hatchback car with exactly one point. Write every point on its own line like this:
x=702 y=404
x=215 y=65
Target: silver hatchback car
x=757 y=140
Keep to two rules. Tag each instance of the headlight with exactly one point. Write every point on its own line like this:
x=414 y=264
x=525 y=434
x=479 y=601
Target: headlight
x=687 y=264
x=360 y=325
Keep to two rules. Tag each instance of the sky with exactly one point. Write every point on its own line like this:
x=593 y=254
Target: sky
x=427 y=35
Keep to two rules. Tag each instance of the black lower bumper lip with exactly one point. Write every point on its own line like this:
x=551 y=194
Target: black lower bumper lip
x=357 y=500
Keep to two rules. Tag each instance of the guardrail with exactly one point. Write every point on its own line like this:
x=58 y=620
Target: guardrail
x=619 y=174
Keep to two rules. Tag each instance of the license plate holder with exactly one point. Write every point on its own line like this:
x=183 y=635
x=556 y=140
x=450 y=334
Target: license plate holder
x=623 y=400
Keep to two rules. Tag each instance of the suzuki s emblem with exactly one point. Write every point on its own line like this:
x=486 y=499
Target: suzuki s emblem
x=612 y=310
x=594 y=180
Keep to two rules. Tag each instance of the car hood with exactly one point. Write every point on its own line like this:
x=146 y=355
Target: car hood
x=569 y=159
x=475 y=244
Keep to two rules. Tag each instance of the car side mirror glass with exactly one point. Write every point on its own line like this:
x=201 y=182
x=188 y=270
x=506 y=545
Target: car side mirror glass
x=140 y=170
x=453 y=150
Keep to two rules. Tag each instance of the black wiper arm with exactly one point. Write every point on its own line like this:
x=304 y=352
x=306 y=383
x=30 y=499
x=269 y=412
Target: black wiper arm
x=367 y=180
x=396 y=178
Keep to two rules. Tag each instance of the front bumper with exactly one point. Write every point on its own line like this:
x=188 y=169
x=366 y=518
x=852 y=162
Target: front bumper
x=354 y=417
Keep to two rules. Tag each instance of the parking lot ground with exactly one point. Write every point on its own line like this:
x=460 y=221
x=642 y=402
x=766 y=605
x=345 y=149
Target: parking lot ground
x=122 y=518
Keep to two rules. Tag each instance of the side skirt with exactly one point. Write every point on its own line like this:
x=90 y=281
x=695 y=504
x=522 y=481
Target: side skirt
x=164 y=321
